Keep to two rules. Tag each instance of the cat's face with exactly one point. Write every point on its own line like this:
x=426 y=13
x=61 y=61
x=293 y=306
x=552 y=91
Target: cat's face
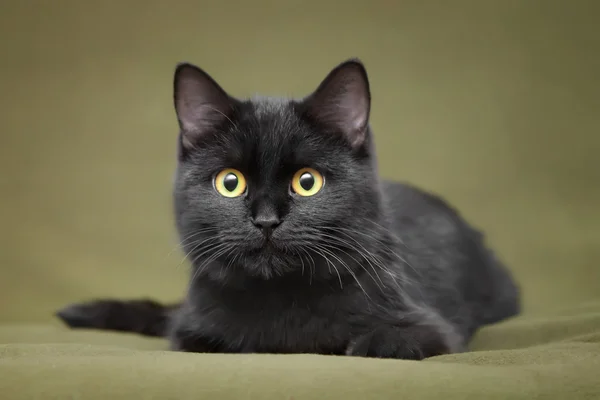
x=266 y=187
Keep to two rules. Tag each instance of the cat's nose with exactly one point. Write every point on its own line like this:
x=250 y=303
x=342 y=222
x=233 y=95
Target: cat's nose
x=266 y=223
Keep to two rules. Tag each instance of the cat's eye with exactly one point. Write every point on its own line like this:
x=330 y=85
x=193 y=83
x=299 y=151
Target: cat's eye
x=230 y=183
x=307 y=182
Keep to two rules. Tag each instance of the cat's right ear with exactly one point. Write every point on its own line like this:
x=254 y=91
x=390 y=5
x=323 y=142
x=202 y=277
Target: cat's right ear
x=200 y=103
x=342 y=102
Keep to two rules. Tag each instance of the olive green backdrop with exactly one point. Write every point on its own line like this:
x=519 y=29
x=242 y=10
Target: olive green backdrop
x=493 y=104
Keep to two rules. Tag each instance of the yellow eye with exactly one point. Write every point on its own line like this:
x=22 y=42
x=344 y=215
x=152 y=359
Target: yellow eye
x=230 y=183
x=307 y=182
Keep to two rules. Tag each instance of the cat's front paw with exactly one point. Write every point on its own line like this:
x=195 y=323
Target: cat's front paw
x=414 y=343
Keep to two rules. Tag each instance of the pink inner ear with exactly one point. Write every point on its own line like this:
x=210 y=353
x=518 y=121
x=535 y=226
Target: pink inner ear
x=357 y=110
x=200 y=103
x=343 y=103
x=197 y=117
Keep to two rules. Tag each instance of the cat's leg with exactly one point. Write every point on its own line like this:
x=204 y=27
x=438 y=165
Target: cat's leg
x=188 y=333
x=194 y=343
x=409 y=338
x=188 y=336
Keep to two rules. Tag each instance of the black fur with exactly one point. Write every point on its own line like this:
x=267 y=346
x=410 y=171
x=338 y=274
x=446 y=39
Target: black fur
x=363 y=267
x=145 y=317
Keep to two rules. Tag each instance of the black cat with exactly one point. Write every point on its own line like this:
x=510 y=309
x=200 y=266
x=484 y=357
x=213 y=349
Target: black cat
x=298 y=247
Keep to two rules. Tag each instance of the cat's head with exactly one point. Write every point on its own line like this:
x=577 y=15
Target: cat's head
x=265 y=186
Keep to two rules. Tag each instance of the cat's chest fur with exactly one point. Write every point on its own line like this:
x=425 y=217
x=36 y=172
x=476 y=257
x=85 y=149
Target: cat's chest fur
x=322 y=319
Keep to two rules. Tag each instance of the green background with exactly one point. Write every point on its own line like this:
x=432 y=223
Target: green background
x=492 y=104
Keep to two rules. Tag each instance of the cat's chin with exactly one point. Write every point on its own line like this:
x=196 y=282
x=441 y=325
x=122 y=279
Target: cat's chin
x=266 y=247
x=268 y=261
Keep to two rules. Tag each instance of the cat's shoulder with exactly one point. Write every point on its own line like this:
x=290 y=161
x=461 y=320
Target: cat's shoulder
x=410 y=206
x=405 y=195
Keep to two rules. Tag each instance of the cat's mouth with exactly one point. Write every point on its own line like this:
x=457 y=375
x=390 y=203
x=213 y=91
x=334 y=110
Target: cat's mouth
x=267 y=246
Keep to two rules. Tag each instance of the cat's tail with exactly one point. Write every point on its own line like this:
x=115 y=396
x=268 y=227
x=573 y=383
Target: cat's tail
x=144 y=317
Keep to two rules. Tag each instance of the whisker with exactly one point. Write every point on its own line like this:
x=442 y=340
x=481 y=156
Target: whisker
x=349 y=271
x=231 y=261
x=341 y=231
x=379 y=241
x=189 y=237
x=201 y=246
x=349 y=246
x=331 y=263
x=312 y=268
x=379 y=284
x=295 y=251
x=222 y=249
x=207 y=250
x=396 y=240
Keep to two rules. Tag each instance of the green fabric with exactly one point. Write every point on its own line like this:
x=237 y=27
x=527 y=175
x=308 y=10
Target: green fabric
x=493 y=104
x=557 y=356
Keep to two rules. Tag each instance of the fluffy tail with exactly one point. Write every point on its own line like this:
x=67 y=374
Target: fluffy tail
x=144 y=317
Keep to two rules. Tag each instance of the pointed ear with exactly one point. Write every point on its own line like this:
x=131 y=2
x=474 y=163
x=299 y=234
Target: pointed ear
x=200 y=103
x=342 y=102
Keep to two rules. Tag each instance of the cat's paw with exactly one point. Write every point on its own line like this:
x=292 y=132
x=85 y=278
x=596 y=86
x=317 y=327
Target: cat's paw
x=413 y=343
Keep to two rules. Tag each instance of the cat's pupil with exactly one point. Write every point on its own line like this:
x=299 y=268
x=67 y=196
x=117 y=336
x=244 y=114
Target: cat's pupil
x=307 y=181
x=230 y=182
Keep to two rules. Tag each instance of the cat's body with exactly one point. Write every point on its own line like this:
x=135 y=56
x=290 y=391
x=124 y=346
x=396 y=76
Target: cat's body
x=296 y=244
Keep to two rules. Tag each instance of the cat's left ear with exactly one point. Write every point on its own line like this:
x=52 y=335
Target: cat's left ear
x=201 y=104
x=342 y=102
